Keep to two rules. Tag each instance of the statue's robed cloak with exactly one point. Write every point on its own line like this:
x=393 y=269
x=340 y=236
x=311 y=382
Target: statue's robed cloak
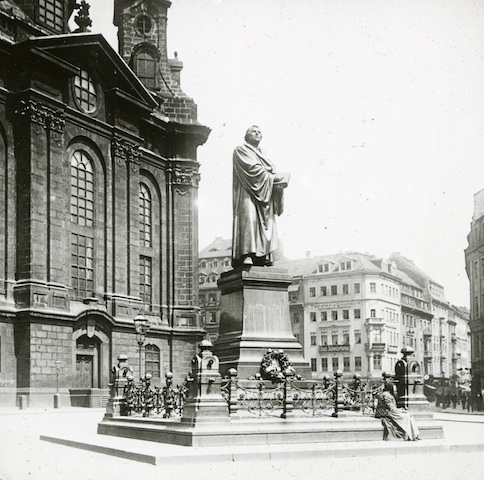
x=255 y=202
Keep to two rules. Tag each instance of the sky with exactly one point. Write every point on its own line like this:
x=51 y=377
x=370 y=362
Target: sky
x=375 y=107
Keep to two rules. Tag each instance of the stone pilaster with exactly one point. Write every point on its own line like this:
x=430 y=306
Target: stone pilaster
x=41 y=206
x=125 y=162
x=184 y=188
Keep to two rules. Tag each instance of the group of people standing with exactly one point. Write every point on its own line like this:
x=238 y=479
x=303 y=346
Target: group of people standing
x=445 y=397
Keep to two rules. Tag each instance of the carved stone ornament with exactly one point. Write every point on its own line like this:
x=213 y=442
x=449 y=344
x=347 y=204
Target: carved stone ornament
x=126 y=152
x=42 y=117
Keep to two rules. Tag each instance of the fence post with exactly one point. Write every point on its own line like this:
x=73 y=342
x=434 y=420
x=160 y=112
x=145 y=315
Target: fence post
x=287 y=400
x=232 y=391
x=337 y=376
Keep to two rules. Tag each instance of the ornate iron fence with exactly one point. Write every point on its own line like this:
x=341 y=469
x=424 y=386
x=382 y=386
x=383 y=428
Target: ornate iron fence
x=288 y=394
x=314 y=398
x=145 y=399
x=258 y=397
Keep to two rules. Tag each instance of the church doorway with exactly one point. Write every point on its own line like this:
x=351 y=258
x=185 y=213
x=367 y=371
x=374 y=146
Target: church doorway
x=87 y=362
x=91 y=361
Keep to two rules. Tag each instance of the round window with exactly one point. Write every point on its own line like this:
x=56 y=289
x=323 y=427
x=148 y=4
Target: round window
x=143 y=24
x=85 y=91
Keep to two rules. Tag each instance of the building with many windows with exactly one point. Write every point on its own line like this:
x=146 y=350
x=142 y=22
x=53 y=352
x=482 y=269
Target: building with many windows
x=416 y=321
x=214 y=259
x=346 y=312
x=98 y=179
x=474 y=257
x=436 y=329
x=354 y=313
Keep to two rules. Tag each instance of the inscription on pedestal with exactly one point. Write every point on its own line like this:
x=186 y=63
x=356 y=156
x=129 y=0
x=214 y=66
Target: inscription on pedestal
x=255 y=317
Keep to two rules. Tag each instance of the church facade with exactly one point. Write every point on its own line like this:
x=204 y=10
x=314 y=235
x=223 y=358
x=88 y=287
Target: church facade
x=98 y=180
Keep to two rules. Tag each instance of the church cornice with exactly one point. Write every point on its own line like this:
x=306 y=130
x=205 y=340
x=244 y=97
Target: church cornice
x=61 y=46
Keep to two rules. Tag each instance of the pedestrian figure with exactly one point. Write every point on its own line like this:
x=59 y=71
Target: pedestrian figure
x=438 y=396
x=446 y=397
x=470 y=402
x=398 y=423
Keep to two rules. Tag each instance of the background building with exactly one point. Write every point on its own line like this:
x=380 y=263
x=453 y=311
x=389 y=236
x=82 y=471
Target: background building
x=98 y=178
x=354 y=312
x=214 y=259
x=434 y=323
x=474 y=256
x=346 y=311
x=416 y=321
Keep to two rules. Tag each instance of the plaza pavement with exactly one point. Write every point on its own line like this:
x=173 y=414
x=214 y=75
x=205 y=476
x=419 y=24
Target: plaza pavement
x=23 y=455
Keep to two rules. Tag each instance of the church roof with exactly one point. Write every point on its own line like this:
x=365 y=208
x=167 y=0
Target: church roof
x=219 y=248
x=100 y=52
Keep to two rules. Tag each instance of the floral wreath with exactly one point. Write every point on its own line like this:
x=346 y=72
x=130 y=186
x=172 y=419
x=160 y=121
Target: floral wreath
x=271 y=372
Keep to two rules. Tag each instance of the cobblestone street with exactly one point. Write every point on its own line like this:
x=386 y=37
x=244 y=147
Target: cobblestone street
x=23 y=455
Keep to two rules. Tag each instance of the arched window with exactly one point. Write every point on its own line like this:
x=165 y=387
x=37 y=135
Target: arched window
x=82 y=265
x=146 y=69
x=82 y=216
x=145 y=217
x=82 y=189
x=145 y=237
x=145 y=280
x=152 y=360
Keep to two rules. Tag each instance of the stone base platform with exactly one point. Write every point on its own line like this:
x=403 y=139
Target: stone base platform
x=258 y=431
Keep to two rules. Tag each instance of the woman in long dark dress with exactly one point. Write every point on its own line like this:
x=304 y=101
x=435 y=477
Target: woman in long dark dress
x=398 y=424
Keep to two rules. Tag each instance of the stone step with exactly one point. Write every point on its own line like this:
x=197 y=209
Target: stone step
x=261 y=431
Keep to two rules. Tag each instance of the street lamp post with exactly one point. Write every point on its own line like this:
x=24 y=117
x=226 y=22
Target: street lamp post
x=141 y=325
x=57 y=371
x=57 y=398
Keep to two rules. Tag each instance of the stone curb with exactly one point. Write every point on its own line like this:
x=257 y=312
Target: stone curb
x=179 y=455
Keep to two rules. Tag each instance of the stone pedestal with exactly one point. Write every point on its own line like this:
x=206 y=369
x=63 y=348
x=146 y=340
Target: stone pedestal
x=415 y=400
x=121 y=373
x=255 y=317
x=409 y=383
x=205 y=402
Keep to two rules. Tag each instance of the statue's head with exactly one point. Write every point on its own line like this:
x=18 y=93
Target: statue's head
x=253 y=135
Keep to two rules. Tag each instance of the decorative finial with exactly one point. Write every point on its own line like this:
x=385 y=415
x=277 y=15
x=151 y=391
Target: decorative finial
x=82 y=18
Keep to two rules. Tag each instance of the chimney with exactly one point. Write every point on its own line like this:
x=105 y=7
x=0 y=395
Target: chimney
x=176 y=67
